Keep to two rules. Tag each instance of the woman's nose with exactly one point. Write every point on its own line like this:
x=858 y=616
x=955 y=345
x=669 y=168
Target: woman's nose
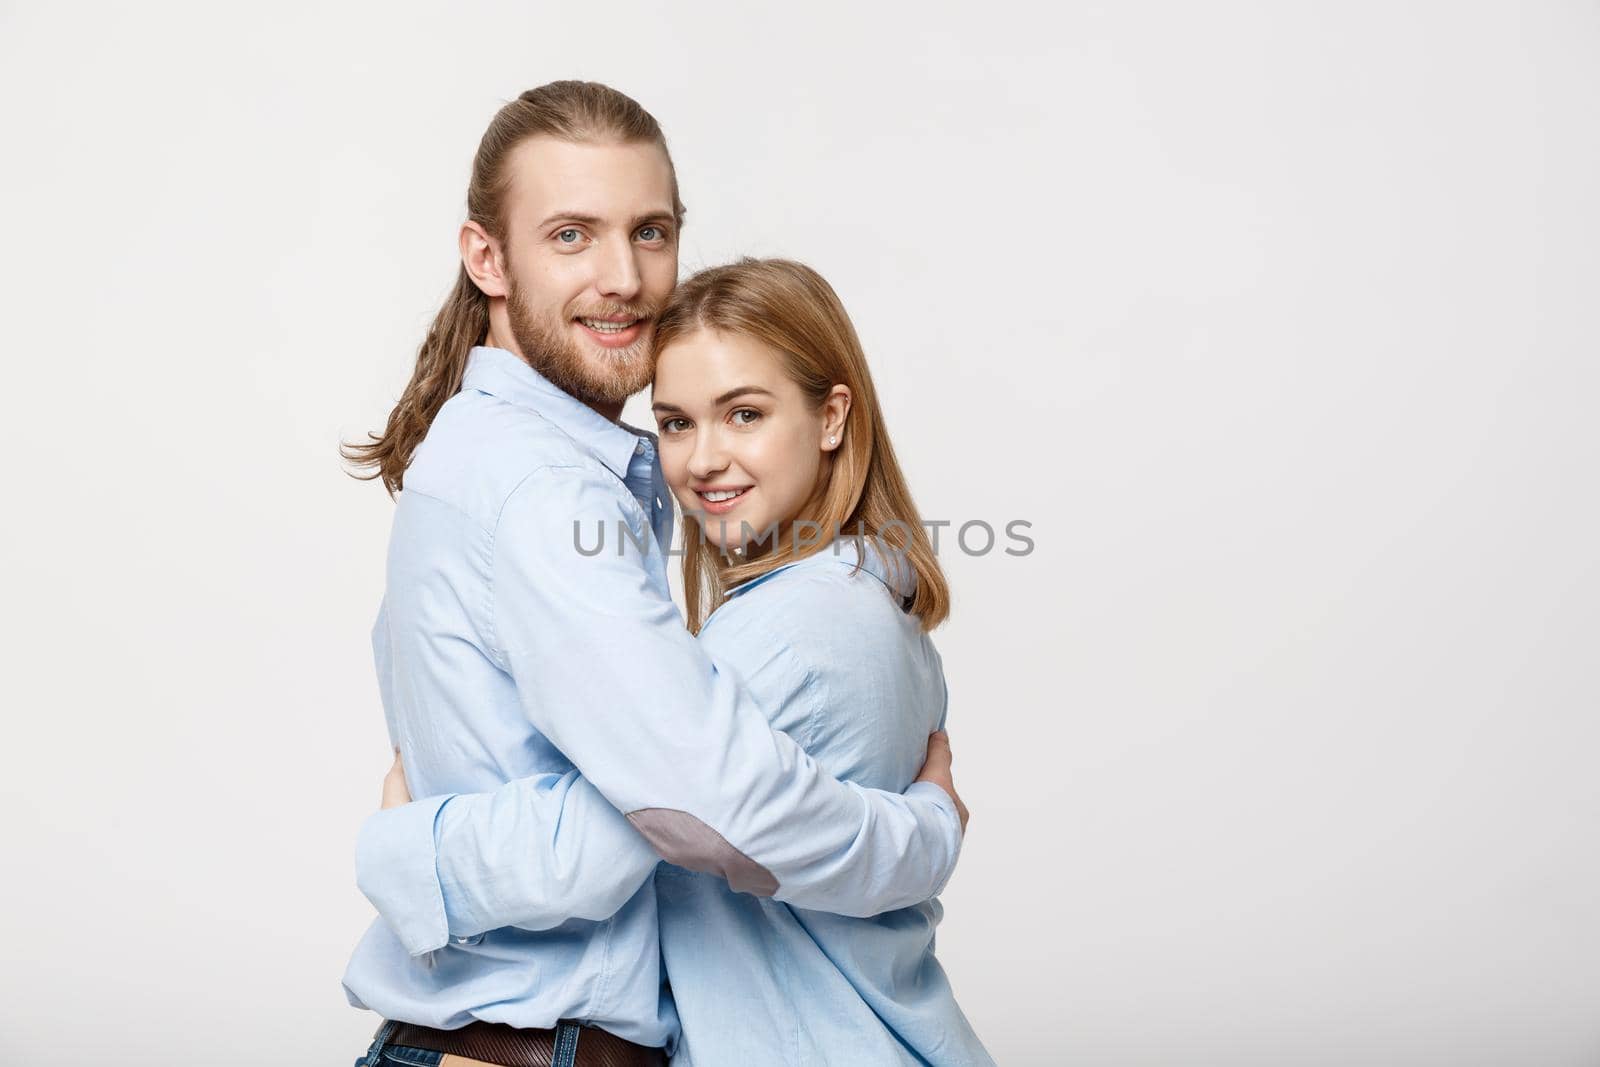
x=707 y=458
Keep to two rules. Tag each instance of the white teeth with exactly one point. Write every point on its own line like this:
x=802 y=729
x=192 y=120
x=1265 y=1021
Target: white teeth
x=721 y=495
x=605 y=327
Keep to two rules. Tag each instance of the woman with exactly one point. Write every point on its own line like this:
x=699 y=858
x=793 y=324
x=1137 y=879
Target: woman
x=807 y=574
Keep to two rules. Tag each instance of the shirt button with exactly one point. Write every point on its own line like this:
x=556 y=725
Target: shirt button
x=638 y=449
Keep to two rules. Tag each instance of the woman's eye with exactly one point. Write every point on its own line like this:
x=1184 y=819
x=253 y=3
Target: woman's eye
x=751 y=412
x=674 y=425
x=568 y=236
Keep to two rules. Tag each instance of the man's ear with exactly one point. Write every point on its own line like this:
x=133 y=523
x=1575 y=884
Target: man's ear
x=480 y=254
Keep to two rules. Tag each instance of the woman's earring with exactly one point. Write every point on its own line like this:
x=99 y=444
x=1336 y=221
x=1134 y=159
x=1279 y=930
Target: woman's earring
x=833 y=440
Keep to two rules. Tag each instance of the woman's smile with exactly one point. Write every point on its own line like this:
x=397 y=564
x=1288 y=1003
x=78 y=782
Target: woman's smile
x=719 y=500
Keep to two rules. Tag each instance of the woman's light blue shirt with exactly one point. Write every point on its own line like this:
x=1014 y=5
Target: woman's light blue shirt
x=836 y=663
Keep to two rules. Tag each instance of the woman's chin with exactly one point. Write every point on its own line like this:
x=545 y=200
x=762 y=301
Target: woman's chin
x=725 y=546
x=734 y=533
x=734 y=548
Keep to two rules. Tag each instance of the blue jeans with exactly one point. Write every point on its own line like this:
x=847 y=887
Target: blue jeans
x=383 y=1054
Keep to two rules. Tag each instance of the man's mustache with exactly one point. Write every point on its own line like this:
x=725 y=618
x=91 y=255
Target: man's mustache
x=618 y=311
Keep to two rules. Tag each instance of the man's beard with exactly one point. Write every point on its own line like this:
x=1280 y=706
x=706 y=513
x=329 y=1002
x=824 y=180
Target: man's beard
x=553 y=352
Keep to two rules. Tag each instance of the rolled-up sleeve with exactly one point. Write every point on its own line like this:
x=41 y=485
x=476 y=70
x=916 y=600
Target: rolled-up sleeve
x=397 y=872
x=534 y=853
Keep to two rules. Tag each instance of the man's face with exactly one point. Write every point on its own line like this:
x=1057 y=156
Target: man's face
x=591 y=254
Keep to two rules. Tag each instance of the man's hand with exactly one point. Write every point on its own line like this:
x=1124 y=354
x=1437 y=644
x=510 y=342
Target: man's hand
x=935 y=769
x=395 y=792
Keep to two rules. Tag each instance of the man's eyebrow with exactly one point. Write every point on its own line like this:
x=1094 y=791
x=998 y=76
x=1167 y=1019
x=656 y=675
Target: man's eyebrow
x=596 y=220
x=719 y=401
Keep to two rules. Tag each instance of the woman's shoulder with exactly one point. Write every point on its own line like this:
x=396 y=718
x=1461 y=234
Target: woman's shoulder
x=874 y=682
x=820 y=597
x=843 y=627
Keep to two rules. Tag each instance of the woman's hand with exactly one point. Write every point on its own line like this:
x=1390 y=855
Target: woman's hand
x=935 y=769
x=395 y=792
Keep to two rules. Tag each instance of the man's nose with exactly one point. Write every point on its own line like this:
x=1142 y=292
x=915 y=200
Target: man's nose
x=619 y=272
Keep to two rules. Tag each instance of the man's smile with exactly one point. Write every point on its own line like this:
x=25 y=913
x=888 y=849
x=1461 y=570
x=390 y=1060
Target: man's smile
x=612 y=331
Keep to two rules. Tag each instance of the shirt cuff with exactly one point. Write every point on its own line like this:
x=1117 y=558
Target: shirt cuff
x=939 y=798
x=396 y=869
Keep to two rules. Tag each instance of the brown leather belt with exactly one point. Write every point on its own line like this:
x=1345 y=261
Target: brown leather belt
x=515 y=1046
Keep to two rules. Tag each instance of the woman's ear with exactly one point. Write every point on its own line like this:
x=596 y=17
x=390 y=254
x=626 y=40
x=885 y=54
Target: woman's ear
x=480 y=255
x=835 y=409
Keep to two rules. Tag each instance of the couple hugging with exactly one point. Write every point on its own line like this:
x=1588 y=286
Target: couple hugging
x=636 y=836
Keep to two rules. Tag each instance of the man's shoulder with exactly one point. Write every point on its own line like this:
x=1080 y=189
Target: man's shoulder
x=480 y=449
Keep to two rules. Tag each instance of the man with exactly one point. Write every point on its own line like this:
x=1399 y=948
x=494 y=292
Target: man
x=561 y=690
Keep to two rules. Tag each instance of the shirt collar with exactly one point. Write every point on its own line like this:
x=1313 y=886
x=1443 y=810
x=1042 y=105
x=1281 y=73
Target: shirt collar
x=507 y=376
x=884 y=562
x=891 y=568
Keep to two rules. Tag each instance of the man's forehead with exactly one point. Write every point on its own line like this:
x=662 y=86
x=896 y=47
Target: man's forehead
x=604 y=181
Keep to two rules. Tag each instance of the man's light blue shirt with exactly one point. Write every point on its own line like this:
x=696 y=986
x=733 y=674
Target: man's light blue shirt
x=561 y=689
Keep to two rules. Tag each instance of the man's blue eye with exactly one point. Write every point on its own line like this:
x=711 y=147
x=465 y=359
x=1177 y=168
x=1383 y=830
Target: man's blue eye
x=650 y=233
x=564 y=239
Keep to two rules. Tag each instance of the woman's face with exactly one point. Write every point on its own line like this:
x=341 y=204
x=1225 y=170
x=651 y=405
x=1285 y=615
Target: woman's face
x=740 y=444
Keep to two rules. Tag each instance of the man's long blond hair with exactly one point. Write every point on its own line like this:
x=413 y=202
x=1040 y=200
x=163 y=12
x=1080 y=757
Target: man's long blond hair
x=575 y=111
x=791 y=309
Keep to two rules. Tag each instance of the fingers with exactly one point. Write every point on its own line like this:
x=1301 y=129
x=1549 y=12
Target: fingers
x=936 y=768
x=395 y=789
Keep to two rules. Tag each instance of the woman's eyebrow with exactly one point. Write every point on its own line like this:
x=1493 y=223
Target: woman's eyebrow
x=740 y=391
x=661 y=405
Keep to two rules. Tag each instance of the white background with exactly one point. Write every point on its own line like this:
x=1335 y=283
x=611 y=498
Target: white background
x=1277 y=320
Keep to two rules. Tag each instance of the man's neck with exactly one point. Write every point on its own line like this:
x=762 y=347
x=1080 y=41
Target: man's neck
x=501 y=338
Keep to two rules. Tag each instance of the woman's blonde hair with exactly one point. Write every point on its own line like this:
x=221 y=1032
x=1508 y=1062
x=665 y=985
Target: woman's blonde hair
x=791 y=309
